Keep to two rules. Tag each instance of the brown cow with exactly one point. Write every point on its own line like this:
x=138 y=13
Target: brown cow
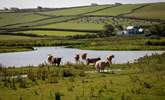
x=92 y=60
x=53 y=60
x=50 y=59
x=56 y=61
x=77 y=58
x=84 y=56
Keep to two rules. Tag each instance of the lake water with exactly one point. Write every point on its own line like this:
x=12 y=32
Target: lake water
x=40 y=55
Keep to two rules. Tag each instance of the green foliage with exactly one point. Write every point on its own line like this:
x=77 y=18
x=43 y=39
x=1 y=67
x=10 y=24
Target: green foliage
x=158 y=30
x=108 y=30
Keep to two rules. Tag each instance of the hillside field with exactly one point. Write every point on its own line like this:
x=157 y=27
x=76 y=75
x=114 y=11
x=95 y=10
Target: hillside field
x=86 y=17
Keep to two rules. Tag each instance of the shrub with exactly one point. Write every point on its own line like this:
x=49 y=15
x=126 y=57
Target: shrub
x=158 y=29
x=108 y=30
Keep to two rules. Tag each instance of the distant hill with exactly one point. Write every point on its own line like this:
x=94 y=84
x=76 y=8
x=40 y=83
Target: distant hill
x=86 y=17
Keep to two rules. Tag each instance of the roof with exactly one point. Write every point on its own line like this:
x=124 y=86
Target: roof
x=130 y=27
x=140 y=30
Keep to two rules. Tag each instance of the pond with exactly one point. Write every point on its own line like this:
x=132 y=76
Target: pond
x=39 y=56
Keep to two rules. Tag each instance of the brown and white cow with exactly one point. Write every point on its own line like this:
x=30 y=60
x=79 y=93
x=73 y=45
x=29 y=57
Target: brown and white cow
x=100 y=65
x=54 y=61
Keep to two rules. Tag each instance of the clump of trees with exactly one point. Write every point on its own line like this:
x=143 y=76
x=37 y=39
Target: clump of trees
x=158 y=30
x=108 y=31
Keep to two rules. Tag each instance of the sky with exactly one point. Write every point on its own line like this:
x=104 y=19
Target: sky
x=63 y=3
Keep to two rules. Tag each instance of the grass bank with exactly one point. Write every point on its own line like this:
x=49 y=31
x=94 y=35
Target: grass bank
x=4 y=49
x=109 y=43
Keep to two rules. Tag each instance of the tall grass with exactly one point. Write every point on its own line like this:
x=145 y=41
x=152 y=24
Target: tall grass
x=141 y=80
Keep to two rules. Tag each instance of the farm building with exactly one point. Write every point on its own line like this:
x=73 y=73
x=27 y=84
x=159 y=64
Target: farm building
x=131 y=30
x=134 y=30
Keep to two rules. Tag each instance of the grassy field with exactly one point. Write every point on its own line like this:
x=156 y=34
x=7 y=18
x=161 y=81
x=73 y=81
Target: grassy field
x=117 y=10
x=55 y=33
x=156 y=11
x=143 y=80
x=48 y=19
x=11 y=37
x=17 y=18
x=6 y=38
x=79 y=26
x=75 y=11
x=5 y=49
x=153 y=11
x=121 y=43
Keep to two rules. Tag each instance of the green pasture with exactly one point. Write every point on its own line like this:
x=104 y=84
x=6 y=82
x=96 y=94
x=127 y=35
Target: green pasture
x=76 y=10
x=5 y=49
x=17 y=18
x=153 y=11
x=122 y=43
x=11 y=37
x=126 y=8
x=78 y=26
x=55 y=33
x=48 y=21
x=31 y=19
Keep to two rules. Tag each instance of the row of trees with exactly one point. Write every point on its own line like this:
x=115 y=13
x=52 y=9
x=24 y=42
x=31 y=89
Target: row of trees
x=18 y=9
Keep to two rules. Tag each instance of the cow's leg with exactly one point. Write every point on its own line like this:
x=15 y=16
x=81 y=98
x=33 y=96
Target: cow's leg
x=58 y=64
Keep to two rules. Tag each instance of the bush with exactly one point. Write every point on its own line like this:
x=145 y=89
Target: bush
x=158 y=30
x=108 y=30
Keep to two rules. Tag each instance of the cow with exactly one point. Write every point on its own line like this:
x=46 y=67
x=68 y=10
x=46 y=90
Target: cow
x=50 y=59
x=55 y=61
x=84 y=56
x=77 y=58
x=109 y=58
x=92 y=60
x=100 y=65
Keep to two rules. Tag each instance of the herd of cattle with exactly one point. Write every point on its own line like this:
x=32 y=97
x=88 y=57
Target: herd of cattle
x=99 y=64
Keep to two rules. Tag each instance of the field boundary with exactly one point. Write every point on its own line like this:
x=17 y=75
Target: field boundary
x=45 y=29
